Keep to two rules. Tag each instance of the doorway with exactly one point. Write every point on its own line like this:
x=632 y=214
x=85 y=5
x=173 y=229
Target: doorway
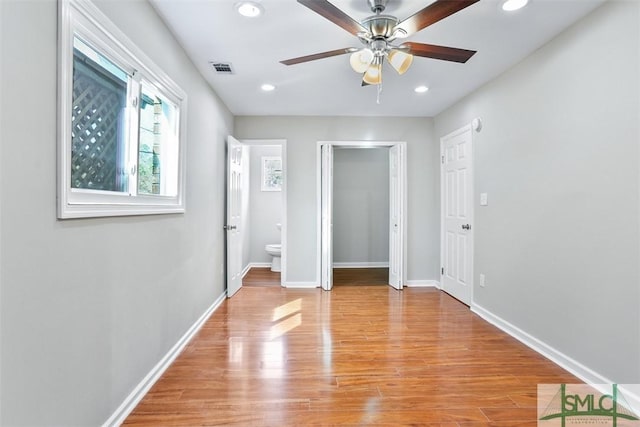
x=361 y=216
x=249 y=163
x=396 y=208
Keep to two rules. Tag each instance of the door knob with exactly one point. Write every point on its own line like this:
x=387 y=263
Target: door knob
x=230 y=227
x=466 y=226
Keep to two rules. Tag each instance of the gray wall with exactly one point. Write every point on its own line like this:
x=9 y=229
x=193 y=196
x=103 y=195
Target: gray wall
x=558 y=157
x=90 y=306
x=302 y=135
x=265 y=206
x=361 y=205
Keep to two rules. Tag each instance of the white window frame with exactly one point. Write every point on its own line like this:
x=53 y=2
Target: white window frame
x=83 y=19
x=263 y=176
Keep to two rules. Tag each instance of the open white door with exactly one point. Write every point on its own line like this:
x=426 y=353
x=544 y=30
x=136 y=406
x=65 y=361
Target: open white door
x=326 y=217
x=457 y=214
x=396 y=220
x=234 y=216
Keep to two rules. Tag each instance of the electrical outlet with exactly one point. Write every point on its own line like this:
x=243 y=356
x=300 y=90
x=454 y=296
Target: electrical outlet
x=482 y=280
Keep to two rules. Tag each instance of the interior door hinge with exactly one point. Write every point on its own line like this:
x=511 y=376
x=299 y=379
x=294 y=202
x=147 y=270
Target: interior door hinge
x=442 y=271
x=442 y=159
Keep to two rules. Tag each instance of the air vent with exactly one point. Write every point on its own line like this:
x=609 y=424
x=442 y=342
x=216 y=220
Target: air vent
x=222 y=67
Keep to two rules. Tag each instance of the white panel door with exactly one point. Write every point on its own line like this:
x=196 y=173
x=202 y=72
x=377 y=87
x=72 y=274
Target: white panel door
x=234 y=215
x=457 y=214
x=396 y=223
x=327 y=217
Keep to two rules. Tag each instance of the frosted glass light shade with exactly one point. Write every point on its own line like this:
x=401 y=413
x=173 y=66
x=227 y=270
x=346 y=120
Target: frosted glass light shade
x=373 y=76
x=361 y=60
x=400 y=61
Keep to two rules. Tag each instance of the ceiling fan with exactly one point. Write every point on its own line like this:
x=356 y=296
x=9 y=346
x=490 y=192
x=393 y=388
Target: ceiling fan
x=379 y=32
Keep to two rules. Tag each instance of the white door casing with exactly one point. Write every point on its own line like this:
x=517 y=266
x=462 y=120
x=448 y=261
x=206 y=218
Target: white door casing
x=397 y=258
x=326 y=274
x=456 y=178
x=234 y=216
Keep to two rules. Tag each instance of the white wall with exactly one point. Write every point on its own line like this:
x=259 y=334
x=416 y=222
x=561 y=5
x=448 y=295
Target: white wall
x=361 y=205
x=302 y=135
x=558 y=157
x=265 y=206
x=90 y=306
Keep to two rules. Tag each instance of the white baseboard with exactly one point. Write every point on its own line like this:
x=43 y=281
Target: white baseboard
x=576 y=368
x=130 y=402
x=631 y=396
x=246 y=270
x=360 y=265
x=255 y=265
x=300 y=285
x=422 y=284
x=258 y=265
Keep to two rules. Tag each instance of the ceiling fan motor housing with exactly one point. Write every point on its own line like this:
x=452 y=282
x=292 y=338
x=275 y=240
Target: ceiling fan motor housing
x=380 y=26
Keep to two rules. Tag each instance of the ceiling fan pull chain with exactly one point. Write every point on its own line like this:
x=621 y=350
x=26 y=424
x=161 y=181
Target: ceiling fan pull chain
x=379 y=92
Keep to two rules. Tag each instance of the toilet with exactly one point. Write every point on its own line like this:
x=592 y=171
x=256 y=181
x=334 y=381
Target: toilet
x=275 y=250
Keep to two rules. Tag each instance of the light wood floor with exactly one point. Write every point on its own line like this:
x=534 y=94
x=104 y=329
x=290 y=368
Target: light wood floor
x=263 y=276
x=358 y=355
x=258 y=276
x=360 y=276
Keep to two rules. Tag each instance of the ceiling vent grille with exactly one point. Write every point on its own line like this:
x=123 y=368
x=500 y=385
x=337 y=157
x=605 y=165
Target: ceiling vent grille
x=222 y=67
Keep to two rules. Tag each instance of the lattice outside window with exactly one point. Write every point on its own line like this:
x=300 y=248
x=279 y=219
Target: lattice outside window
x=121 y=123
x=98 y=113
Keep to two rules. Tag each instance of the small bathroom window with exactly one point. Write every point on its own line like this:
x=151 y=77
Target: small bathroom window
x=271 y=174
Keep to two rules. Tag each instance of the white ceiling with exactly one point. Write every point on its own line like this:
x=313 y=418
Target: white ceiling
x=212 y=30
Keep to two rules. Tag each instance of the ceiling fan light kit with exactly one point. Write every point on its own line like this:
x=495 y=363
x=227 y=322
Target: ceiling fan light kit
x=400 y=61
x=361 y=59
x=378 y=32
x=373 y=76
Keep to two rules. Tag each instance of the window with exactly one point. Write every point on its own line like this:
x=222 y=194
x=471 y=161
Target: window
x=121 y=123
x=271 y=174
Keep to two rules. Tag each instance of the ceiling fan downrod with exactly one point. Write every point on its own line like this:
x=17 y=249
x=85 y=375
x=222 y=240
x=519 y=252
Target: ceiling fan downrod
x=377 y=6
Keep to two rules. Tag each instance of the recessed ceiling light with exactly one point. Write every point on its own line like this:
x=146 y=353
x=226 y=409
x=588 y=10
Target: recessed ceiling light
x=421 y=89
x=267 y=87
x=249 y=9
x=511 y=5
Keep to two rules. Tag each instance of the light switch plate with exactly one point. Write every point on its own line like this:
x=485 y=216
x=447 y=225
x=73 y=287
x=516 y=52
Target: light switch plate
x=482 y=280
x=484 y=199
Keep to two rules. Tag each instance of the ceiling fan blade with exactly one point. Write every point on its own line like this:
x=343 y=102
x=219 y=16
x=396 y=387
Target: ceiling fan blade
x=431 y=14
x=439 y=52
x=335 y=15
x=315 y=56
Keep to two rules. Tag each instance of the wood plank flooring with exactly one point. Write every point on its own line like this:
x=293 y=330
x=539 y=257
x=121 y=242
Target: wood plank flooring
x=261 y=276
x=358 y=355
x=360 y=276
